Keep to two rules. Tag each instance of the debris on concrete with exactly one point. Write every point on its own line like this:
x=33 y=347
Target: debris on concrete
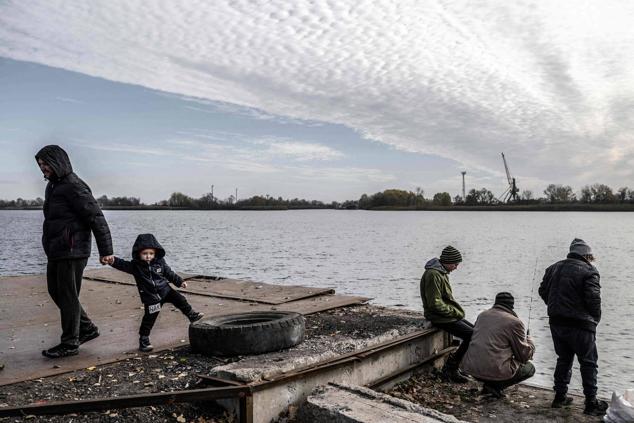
x=522 y=403
x=343 y=403
x=328 y=335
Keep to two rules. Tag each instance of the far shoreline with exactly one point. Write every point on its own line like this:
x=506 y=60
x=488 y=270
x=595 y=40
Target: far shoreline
x=561 y=207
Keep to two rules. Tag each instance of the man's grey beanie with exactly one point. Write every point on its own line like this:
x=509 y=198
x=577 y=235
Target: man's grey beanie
x=579 y=246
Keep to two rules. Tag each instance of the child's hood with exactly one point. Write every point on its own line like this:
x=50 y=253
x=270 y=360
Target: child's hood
x=144 y=241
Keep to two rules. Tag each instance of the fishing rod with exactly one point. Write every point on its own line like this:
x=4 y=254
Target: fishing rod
x=530 y=306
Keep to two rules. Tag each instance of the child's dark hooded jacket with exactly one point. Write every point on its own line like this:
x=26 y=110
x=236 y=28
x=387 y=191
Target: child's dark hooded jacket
x=151 y=278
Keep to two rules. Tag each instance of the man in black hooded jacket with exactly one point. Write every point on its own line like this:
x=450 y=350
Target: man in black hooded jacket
x=572 y=292
x=71 y=214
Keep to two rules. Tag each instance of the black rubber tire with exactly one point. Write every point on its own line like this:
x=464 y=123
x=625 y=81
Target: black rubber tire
x=247 y=333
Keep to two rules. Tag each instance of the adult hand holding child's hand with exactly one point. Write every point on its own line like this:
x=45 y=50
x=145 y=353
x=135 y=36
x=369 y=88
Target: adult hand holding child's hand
x=106 y=260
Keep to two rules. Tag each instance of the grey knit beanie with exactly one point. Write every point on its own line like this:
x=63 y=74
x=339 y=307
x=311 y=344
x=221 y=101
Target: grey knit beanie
x=505 y=299
x=450 y=255
x=578 y=246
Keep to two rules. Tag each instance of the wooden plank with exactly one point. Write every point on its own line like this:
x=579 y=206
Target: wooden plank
x=109 y=274
x=254 y=291
x=224 y=287
x=117 y=311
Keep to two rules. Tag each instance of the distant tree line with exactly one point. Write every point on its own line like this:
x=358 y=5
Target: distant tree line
x=21 y=203
x=209 y=202
x=390 y=198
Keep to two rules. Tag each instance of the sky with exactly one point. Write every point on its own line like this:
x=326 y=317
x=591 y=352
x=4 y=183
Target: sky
x=317 y=99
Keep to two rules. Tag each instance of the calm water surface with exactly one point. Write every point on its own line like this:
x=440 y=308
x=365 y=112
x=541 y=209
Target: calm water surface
x=381 y=255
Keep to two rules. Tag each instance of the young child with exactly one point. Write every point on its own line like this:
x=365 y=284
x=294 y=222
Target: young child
x=152 y=275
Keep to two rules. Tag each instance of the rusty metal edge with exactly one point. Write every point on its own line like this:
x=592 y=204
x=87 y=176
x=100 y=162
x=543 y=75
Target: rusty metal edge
x=139 y=400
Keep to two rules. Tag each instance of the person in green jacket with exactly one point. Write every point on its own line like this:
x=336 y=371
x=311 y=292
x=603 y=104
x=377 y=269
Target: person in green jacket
x=443 y=311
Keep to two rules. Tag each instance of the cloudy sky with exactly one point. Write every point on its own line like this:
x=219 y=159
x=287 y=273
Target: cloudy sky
x=317 y=99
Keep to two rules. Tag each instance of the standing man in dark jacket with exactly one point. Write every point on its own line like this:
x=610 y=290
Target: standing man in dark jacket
x=572 y=292
x=442 y=310
x=70 y=215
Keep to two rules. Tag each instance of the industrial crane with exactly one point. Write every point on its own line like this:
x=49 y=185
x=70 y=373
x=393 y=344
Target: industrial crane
x=511 y=192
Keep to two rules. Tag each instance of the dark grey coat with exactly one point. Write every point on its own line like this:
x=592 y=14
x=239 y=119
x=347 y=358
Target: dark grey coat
x=572 y=292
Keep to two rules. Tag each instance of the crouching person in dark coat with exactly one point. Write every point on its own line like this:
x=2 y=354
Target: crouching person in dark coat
x=152 y=276
x=499 y=351
x=71 y=214
x=572 y=292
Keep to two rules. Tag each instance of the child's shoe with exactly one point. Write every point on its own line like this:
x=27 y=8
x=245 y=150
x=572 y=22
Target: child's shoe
x=194 y=316
x=144 y=344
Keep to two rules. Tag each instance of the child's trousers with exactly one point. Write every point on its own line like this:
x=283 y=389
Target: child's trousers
x=173 y=297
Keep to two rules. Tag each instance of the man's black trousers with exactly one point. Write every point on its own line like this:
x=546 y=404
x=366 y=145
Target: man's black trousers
x=63 y=279
x=569 y=342
x=462 y=329
x=173 y=297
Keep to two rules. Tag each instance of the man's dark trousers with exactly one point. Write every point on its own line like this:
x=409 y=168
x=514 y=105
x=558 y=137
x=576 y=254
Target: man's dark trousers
x=173 y=297
x=526 y=371
x=568 y=342
x=462 y=329
x=63 y=278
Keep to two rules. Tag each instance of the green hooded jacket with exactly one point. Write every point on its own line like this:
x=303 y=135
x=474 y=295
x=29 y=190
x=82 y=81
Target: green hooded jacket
x=435 y=291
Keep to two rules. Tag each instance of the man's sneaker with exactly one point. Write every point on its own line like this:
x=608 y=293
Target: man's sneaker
x=144 y=344
x=492 y=391
x=595 y=407
x=61 y=350
x=561 y=401
x=454 y=375
x=89 y=335
x=194 y=316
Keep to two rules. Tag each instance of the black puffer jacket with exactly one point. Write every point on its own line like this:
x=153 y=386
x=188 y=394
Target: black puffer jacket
x=572 y=292
x=70 y=212
x=151 y=278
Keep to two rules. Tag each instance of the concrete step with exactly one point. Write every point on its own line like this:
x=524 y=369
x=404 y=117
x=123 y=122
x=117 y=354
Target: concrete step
x=342 y=403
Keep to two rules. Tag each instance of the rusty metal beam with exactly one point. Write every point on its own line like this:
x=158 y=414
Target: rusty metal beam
x=141 y=400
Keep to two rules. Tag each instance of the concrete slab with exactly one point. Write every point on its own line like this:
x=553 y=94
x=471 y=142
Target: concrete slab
x=286 y=378
x=345 y=403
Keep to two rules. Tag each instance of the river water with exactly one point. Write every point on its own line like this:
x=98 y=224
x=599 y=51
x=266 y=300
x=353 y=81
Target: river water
x=382 y=255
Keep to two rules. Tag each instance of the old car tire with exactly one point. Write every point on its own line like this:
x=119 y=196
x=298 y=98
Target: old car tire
x=247 y=333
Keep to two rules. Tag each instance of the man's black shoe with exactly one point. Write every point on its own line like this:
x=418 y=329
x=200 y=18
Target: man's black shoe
x=89 y=336
x=194 y=316
x=144 y=344
x=561 y=401
x=595 y=407
x=492 y=391
x=61 y=350
x=454 y=375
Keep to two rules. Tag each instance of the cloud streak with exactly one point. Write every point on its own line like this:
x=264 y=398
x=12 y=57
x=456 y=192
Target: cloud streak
x=549 y=83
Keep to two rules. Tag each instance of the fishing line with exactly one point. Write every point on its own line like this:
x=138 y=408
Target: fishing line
x=530 y=306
